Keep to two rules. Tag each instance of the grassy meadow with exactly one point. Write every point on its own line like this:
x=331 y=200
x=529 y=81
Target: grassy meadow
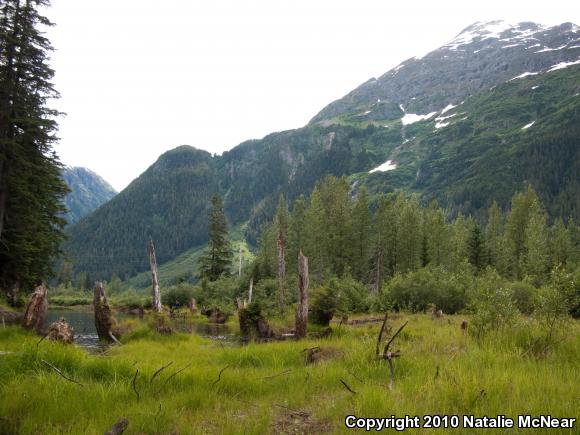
x=215 y=386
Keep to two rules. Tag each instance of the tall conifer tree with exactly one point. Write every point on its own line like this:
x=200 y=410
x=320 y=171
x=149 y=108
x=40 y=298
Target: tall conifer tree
x=31 y=190
x=217 y=258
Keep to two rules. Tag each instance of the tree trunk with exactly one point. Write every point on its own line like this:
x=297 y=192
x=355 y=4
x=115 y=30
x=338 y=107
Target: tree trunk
x=154 y=278
x=378 y=275
x=240 y=263
x=281 y=273
x=251 y=290
x=104 y=320
x=303 y=283
x=36 y=309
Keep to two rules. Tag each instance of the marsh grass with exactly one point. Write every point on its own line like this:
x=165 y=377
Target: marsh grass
x=265 y=388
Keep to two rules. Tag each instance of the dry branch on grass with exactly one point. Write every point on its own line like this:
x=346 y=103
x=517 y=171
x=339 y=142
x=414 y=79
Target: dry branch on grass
x=158 y=372
x=59 y=372
x=220 y=375
x=388 y=355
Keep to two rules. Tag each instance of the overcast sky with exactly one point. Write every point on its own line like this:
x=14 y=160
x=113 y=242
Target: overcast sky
x=140 y=77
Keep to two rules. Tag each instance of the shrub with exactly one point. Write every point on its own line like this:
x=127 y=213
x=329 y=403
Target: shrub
x=524 y=295
x=493 y=304
x=324 y=305
x=430 y=285
x=352 y=296
x=178 y=296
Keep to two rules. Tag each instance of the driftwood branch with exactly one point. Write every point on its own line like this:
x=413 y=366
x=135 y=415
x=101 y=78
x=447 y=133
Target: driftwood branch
x=173 y=375
x=380 y=338
x=395 y=335
x=347 y=387
x=158 y=371
x=133 y=384
x=59 y=372
x=220 y=375
x=388 y=355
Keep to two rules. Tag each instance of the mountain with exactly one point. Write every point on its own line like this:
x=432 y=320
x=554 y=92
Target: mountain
x=475 y=120
x=481 y=56
x=88 y=191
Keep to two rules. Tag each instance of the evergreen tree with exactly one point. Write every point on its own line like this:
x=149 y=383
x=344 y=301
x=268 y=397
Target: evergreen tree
x=476 y=248
x=217 y=258
x=361 y=222
x=31 y=190
x=560 y=244
x=496 y=242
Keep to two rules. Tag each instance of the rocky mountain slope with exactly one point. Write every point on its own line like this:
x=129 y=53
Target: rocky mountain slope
x=479 y=118
x=88 y=191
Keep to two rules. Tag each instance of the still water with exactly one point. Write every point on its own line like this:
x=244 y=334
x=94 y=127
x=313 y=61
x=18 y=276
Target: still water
x=83 y=323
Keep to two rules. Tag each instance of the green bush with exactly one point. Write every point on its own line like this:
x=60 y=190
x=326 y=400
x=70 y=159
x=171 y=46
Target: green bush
x=524 y=295
x=415 y=291
x=324 y=305
x=178 y=296
x=493 y=304
x=352 y=296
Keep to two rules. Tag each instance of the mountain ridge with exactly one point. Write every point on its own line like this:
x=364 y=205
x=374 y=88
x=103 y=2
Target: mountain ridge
x=449 y=144
x=88 y=191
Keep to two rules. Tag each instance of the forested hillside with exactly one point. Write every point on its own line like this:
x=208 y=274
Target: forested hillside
x=495 y=123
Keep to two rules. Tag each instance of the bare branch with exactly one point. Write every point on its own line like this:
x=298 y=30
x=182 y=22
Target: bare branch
x=59 y=372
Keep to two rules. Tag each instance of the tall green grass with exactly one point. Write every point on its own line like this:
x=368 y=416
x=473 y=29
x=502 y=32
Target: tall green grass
x=266 y=388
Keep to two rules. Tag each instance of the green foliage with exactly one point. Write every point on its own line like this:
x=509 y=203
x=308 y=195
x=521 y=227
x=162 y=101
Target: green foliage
x=324 y=304
x=415 y=291
x=216 y=261
x=524 y=296
x=177 y=296
x=31 y=190
x=352 y=296
x=492 y=302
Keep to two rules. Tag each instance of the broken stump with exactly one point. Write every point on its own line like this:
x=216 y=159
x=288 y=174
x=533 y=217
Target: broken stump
x=36 y=310
x=61 y=331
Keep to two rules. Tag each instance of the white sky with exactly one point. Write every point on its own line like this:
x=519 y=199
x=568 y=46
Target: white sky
x=140 y=77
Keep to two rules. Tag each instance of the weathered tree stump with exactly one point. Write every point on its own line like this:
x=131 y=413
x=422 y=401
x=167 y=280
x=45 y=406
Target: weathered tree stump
x=61 y=331
x=36 y=309
x=253 y=324
x=303 y=284
x=104 y=320
x=154 y=277
x=215 y=315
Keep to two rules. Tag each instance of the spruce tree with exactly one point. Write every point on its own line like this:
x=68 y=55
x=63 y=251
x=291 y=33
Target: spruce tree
x=31 y=190
x=216 y=260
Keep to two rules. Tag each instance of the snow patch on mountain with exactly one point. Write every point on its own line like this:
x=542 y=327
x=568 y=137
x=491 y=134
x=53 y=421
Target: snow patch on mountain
x=525 y=127
x=411 y=118
x=563 y=65
x=389 y=165
x=521 y=76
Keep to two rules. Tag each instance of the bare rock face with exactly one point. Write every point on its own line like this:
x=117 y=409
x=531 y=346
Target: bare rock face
x=36 y=309
x=61 y=331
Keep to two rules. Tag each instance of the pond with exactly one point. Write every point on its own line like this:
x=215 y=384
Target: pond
x=83 y=322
